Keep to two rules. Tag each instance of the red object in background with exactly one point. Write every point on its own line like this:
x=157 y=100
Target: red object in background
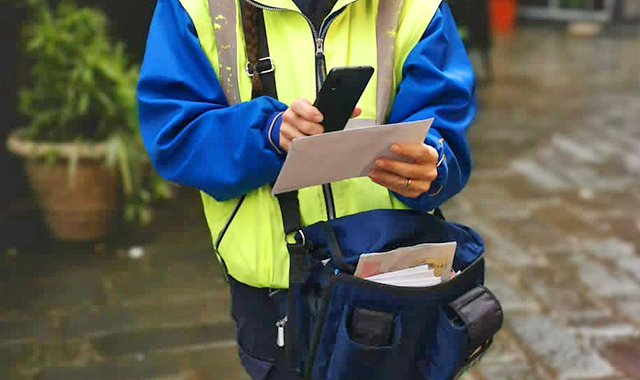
x=502 y=14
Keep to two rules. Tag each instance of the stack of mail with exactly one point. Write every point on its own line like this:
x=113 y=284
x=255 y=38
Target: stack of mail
x=418 y=266
x=418 y=277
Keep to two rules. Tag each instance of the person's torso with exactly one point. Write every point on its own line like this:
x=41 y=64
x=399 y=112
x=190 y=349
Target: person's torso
x=353 y=34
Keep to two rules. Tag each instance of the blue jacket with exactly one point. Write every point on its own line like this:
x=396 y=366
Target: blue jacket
x=183 y=110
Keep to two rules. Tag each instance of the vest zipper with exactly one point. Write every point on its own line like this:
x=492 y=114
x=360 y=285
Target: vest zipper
x=321 y=73
x=321 y=70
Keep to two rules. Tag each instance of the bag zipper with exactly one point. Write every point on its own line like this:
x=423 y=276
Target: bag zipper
x=280 y=329
x=321 y=73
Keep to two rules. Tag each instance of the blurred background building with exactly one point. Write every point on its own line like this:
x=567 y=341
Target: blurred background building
x=555 y=192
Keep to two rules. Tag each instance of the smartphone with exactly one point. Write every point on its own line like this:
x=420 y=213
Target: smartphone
x=340 y=93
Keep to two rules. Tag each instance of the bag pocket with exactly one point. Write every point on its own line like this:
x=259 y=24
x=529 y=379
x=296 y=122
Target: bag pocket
x=464 y=331
x=353 y=360
x=445 y=352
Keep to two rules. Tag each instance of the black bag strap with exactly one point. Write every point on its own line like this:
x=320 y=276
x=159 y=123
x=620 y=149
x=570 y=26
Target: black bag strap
x=265 y=66
x=290 y=211
x=336 y=252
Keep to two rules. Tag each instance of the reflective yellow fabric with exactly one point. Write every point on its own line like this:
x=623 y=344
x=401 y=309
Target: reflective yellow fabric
x=253 y=248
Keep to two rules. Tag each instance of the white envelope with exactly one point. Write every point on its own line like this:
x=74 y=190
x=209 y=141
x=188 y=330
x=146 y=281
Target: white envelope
x=330 y=157
x=411 y=282
x=420 y=272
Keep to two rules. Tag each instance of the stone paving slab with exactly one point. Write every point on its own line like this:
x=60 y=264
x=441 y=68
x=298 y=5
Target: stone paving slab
x=121 y=319
x=152 y=340
x=598 y=331
x=129 y=370
x=502 y=250
x=558 y=349
x=62 y=291
x=557 y=292
x=604 y=281
x=512 y=297
x=624 y=355
x=18 y=332
x=212 y=363
x=512 y=371
x=630 y=309
x=14 y=357
x=567 y=221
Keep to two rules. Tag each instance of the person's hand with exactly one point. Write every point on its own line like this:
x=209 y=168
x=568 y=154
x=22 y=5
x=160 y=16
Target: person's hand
x=410 y=179
x=302 y=119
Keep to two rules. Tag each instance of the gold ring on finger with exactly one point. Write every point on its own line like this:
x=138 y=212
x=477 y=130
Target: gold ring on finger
x=407 y=184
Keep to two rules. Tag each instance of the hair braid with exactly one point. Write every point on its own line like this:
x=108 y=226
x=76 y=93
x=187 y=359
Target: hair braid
x=250 y=27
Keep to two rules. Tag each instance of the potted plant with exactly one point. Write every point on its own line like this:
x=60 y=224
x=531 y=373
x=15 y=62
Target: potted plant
x=81 y=144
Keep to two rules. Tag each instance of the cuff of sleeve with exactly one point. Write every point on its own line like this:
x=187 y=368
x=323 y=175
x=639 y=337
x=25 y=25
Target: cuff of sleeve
x=272 y=132
x=438 y=185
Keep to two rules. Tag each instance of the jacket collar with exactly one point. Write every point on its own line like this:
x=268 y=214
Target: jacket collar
x=290 y=5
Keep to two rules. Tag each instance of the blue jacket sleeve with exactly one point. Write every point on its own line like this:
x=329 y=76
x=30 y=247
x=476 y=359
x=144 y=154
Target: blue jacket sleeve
x=438 y=81
x=191 y=134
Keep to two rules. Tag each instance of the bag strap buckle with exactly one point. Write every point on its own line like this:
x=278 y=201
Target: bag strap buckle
x=263 y=66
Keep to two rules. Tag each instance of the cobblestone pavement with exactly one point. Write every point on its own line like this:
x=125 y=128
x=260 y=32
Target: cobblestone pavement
x=555 y=194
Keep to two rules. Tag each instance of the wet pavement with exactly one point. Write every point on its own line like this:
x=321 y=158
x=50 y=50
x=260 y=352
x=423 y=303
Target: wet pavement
x=555 y=193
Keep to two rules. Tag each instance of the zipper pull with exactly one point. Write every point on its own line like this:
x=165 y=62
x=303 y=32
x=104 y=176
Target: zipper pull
x=319 y=47
x=280 y=326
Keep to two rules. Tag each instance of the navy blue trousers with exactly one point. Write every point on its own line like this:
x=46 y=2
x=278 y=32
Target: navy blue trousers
x=256 y=312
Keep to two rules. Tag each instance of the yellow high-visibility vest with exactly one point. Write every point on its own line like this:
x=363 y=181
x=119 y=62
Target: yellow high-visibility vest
x=379 y=33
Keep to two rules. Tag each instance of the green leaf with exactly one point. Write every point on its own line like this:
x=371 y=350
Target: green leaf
x=107 y=102
x=130 y=212
x=35 y=43
x=146 y=216
x=163 y=189
x=125 y=170
x=83 y=104
x=50 y=158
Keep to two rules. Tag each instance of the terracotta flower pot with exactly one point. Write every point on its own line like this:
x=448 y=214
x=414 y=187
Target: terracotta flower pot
x=81 y=209
x=502 y=14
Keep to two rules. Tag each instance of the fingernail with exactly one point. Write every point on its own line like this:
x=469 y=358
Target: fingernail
x=372 y=175
x=396 y=149
x=380 y=163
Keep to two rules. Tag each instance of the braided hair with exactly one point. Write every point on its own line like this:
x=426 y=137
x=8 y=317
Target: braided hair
x=250 y=27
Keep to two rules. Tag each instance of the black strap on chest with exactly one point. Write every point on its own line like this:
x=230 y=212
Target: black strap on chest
x=265 y=66
x=289 y=205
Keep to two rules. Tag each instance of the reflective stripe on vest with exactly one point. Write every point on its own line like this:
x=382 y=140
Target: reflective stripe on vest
x=253 y=247
x=386 y=30
x=223 y=18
